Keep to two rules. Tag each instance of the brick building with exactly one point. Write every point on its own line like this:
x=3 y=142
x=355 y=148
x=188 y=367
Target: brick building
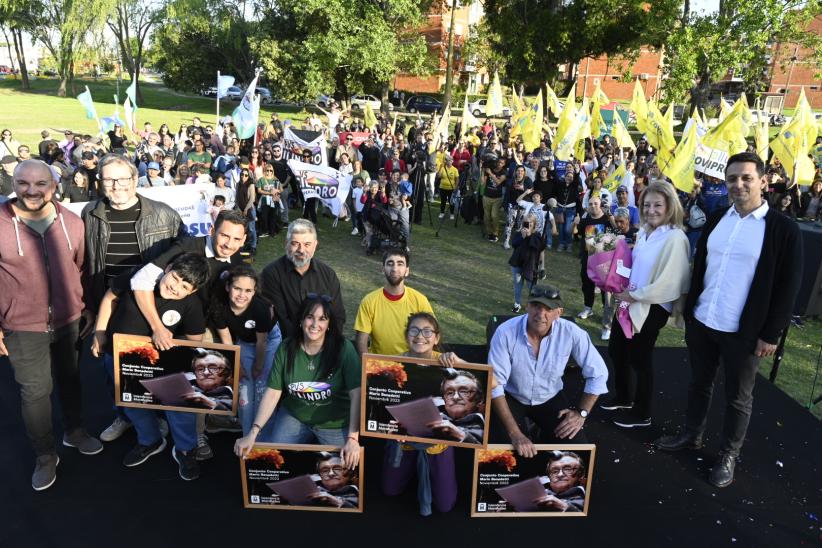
x=792 y=68
x=435 y=31
x=608 y=74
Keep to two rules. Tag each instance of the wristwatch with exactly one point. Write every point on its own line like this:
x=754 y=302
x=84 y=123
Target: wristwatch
x=582 y=412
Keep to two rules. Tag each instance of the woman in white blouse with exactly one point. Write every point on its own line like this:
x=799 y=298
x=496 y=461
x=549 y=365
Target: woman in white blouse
x=659 y=278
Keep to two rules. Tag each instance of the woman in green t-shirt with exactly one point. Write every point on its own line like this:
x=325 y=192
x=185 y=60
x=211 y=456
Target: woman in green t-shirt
x=317 y=376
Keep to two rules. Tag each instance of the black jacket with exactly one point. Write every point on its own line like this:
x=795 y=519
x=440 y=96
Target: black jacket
x=776 y=281
x=157 y=227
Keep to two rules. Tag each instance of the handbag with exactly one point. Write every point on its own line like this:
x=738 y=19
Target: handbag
x=696 y=217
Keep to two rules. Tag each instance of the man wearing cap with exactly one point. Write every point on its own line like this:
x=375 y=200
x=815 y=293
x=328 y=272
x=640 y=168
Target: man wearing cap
x=529 y=354
x=151 y=178
x=622 y=201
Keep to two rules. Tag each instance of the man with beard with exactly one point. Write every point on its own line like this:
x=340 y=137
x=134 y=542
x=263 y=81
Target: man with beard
x=383 y=313
x=40 y=319
x=287 y=281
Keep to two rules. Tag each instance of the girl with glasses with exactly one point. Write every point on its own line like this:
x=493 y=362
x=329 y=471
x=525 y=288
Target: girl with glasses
x=402 y=460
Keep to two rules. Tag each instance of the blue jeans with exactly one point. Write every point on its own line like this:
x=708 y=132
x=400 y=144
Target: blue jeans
x=251 y=389
x=252 y=227
x=693 y=237
x=108 y=363
x=519 y=281
x=183 y=426
x=287 y=429
x=565 y=231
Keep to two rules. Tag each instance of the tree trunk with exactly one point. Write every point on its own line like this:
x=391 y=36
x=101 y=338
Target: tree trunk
x=384 y=99
x=8 y=46
x=449 y=65
x=17 y=36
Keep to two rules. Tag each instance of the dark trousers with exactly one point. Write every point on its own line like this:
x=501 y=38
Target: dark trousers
x=544 y=415
x=310 y=209
x=34 y=358
x=588 y=287
x=445 y=200
x=633 y=361
x=706 y=348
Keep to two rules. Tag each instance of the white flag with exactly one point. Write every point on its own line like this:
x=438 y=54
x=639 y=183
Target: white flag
x=245 y=115
x=223 y=83
x=323 y=182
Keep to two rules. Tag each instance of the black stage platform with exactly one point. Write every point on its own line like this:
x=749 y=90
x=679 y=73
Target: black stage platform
x=639 y=497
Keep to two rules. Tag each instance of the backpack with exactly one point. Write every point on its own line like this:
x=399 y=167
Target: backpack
x=696 y=217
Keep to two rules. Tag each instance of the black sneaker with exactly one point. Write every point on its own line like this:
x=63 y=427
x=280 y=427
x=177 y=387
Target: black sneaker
x=615 y=405
x=188 y=467
x=629 y=420
x=140 y=453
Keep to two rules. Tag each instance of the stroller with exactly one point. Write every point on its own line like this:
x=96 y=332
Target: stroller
x=387 y=229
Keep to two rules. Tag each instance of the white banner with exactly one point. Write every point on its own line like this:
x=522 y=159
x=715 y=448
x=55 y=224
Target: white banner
x=295 y=141
x=325 y=183
x=710 y=161
x=189 y=201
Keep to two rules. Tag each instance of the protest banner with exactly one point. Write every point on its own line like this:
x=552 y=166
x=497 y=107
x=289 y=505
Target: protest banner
x=301 y=477
x=554 y=483
x=710 y=161
x=192 y=376
x=295 y=141
x=358 y=136
x=416 y=399
x=189 y=201
x=325 y=183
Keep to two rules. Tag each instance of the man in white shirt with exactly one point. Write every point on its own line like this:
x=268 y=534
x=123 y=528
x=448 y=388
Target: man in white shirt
x=747 y=272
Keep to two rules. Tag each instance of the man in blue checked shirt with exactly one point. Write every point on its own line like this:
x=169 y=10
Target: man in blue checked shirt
x=529 y=354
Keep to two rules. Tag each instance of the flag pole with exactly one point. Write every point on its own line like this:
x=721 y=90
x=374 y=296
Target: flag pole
x=218 y=98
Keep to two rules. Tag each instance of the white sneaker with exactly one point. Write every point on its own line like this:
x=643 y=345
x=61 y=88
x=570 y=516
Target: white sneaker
x=452 y=217
x=506 y=245
x=115 y=430
x=355 y=232
x=442 y=215
x=163 y=428
x=585 y=314
x=606 y=334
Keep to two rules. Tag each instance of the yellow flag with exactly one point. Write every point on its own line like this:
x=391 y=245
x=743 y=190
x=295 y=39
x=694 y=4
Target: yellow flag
x=658 y=130
x=368 y=118
x=639 y=106
x=532 y=132
x=681 y=168
x=493 y=107
x=725 y=109
x=620 y=133
x=719 y=137
x=808 y=121
x=599 y=96
x=669 y=116
x=516 y=102
x=567 y=137
x=584 y=132
x=442 y=126
x=615 y=179
x=566 y=119
x=552 y=100
x=598 y=125
x=761 y=138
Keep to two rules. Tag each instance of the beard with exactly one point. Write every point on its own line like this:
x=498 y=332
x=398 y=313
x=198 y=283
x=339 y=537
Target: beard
x=394 y=281
x=298 y=262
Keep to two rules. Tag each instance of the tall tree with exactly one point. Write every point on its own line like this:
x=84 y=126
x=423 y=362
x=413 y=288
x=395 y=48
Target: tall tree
x=705 y=47
x=61 y=27
x=449 y=65
x=199 y=37
x=537 y=37
x=308 y=47
x=130 y=22
x=19 y=16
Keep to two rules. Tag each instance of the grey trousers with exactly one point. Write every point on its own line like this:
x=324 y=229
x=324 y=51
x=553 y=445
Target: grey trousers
x=34 y=358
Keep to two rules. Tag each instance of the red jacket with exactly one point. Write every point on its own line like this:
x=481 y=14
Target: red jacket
x=389 y=166
x=462 y=160
x=40 y=276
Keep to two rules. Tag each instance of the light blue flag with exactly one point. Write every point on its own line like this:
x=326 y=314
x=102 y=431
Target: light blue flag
x=88 y=104
x=131 y=93
x=223 y=83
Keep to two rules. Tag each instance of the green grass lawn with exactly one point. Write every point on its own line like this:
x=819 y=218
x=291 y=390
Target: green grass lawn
x=466 y=278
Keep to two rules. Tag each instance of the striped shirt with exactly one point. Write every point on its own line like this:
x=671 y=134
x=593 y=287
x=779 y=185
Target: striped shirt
x=123 y=251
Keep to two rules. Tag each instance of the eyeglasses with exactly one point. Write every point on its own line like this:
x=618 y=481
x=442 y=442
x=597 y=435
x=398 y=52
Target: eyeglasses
x=125 y=182
x=325 y=472
x=324 y=298
x=269 y=171
x=464 y=393
x=567 y=470
x=244 y=174
x=7 y=135
x=426 y=332
x=211 y=369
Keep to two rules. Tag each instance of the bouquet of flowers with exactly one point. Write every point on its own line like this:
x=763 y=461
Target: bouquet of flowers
x=609 y=262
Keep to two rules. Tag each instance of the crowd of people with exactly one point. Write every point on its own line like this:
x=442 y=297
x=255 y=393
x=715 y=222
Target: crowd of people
x=127 y=265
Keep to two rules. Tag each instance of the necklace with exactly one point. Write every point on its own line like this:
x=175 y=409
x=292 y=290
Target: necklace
x=310 y=357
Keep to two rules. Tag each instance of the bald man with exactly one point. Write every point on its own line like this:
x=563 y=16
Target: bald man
x=41 y=305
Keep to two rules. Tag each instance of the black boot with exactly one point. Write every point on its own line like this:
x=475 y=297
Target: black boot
x=722 y=473
x=683 y=440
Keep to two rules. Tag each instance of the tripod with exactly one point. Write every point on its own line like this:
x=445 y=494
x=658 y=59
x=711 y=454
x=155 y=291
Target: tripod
x=419 y=191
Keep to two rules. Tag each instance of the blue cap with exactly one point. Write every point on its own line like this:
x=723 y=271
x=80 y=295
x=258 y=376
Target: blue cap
x=154 y=165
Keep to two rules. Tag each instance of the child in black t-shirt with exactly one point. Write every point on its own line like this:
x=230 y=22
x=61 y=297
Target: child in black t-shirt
x=181 y=312
x=241 y=316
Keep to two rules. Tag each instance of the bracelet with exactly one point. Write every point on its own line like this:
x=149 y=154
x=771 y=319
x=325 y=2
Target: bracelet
x=257 y=425
x=354 y=437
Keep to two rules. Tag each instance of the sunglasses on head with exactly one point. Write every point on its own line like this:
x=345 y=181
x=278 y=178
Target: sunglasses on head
x=322 y=297
x=544 y=292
